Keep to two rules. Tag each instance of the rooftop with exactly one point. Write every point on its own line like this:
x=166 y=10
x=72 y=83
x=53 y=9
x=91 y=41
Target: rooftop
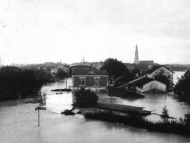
x=92 y=71
x=151 y=70
x=143 y=81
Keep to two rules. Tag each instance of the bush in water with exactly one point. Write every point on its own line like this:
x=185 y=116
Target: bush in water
x=85 y=98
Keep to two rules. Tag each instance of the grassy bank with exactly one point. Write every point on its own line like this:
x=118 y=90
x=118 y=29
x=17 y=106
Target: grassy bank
x=165 y=126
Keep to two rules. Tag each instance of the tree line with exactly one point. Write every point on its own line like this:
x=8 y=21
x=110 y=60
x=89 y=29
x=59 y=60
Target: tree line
x=182 y=88
x=17 y=83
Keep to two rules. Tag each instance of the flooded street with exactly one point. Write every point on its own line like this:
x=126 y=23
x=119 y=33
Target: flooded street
x=140 y=45
x=55 y=101
x=18 y=121
x=153 y=102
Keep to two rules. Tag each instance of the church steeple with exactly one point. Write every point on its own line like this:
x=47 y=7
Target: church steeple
x=82 y=60
x=136 y=56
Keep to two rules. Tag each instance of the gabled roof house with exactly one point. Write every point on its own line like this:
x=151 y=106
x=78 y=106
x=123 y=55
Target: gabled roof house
x=145 y=84
x=160 y=70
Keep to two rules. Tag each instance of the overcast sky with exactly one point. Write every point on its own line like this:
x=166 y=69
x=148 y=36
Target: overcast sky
x=36 y=31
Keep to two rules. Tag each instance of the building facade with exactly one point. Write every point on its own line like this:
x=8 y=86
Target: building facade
x=89 y=77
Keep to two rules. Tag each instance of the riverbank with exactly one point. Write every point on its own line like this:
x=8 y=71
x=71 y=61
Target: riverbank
x=165 y=126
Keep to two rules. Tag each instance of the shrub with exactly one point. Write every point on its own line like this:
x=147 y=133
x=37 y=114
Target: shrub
x=187 y=119
x=165 y=113
x=85 y=98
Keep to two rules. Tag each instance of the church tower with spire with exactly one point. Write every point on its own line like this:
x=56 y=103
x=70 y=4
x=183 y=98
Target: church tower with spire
x=136 y=56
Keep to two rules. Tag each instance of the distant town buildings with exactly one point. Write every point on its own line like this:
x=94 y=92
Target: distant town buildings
x=150 y=63
x=136 y=61
x=97 y=65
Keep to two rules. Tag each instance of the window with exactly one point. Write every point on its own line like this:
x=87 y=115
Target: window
x=96 y=80
x=111 y=80
x=83 y=80
x=169 y=76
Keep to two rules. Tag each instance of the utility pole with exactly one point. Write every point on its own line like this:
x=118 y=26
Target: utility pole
x=40 y=108
x=66 y=82
x=38 y=117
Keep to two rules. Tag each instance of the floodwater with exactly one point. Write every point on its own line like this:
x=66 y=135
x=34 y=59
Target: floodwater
x=18 y=121
x=153 y=102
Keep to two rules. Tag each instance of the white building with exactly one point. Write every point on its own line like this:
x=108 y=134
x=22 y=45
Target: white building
x=161 y=70
x=151 y=86
x=145 y=84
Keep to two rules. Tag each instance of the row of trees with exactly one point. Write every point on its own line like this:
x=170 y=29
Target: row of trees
x=61 y=74
x=17 y=83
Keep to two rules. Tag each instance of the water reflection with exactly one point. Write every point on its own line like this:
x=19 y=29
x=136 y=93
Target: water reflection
x=154 y=102
x=56 y=101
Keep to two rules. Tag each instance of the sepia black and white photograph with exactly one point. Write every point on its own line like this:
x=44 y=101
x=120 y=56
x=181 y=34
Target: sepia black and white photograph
x=94 y=71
